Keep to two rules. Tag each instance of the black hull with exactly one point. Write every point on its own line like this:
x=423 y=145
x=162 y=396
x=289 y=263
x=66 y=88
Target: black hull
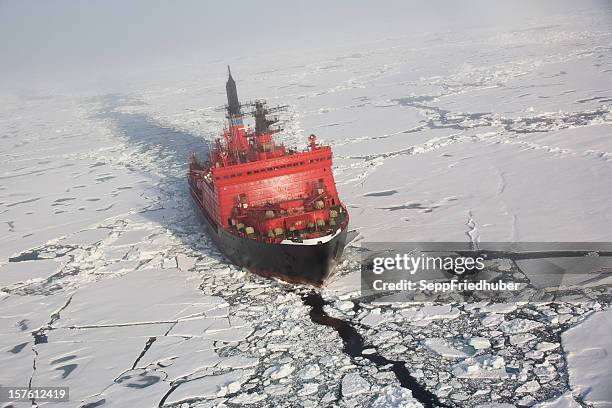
x=309 y=264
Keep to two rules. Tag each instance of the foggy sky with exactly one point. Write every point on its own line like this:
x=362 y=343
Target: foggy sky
x=67 y=39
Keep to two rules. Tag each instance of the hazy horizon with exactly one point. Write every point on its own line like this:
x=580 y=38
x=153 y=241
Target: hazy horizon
x=49 y=43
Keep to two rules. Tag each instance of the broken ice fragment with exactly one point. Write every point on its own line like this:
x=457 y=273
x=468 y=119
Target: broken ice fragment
x=479 y=343
x=485 y=366
x=309 y=372
x=528 y=387
x=280 y=371
x=519 y=326
x=354 y=384
x=445 y=347
x=395 y=396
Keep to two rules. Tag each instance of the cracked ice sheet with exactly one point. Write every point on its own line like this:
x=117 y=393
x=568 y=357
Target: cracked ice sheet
x=361 y=123
x=564 y=401
x=138 y=306
x=14 y=272
x=511 y=192
x=210 y=386
x=593 y=141
x=141 y=297
x=182 y=357
x=56 y=177
x=588 y=348
x=89 y=361
x=19 y=316
x=565 y=83
x=331 y=81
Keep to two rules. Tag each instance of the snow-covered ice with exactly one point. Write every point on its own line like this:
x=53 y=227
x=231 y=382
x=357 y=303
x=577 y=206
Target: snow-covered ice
x=109 y=285
x=588 y=348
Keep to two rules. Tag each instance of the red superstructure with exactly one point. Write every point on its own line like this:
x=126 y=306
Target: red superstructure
x=261 y=191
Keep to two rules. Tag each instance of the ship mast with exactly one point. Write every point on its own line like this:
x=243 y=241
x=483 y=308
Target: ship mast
x=241 y=144
x=235 y=137
x=233 y=106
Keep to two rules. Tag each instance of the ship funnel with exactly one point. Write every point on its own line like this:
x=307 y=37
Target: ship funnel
x=233 y=106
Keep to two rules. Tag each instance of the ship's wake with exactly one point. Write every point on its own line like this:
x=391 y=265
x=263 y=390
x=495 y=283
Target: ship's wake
x=354 y=346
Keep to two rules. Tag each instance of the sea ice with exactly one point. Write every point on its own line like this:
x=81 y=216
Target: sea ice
x=354 y=384
x=485 y=366
x=445 y=348
x=280 y=371
x=588 y=348
x=479 y=343
x=394 y=396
